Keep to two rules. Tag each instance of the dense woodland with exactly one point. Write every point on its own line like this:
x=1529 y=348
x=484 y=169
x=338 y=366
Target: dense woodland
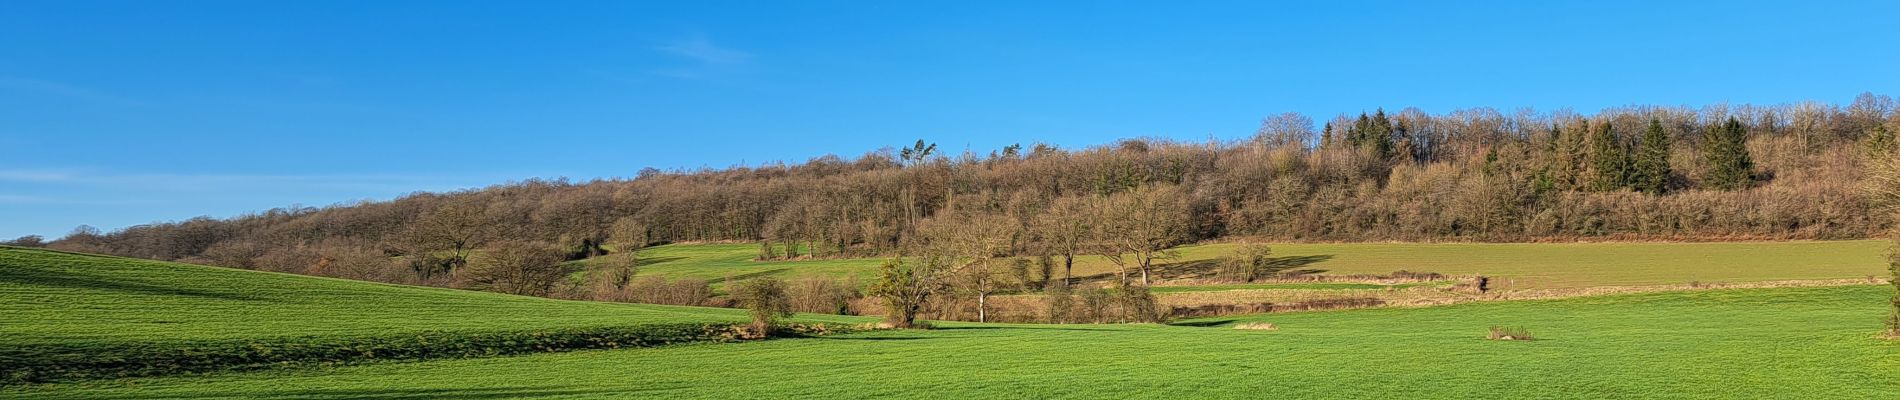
x=1719 y=172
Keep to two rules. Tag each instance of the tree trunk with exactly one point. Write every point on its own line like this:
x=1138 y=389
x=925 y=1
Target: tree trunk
x=1068 y=269
x=982 y=307
x=1144 y=273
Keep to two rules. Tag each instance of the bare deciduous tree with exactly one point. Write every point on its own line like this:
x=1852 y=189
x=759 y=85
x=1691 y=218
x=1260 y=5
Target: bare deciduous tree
x=441 y=240
x=517 y=267
x=972 y=242
x=1065 y=231
x=1137 y=227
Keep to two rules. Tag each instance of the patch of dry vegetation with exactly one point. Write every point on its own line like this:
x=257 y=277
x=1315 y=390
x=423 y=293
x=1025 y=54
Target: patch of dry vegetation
x=1257 y=326
x=1509 y=333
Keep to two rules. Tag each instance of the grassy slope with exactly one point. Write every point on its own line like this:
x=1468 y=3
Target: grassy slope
x=1521 y=265
x=1749 y=343
x=54 y=297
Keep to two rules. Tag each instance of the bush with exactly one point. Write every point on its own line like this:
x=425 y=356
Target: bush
x=824 y=296
x=515 y=267
x=906 y=287
x=360 y=263
x=1250 y=261
x=48 y=363
x=1137 y=304
x=612 y=278
x=658 y=290
x=1095 y=303
x=765 y=298
x=26 y=241
x=1061 y=302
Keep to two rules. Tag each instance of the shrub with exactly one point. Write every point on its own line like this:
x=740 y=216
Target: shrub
x=658 y=290
x=1095 y=303
x=1504 y=333
x=612 y=278
x=1060 y=301
x=360 y=263
x=516 y=267
x=823 y=296
x=1417 y=276
x=1138 y=304
x=906 y=286
x=28 y=241
x=49 y=363
x=765 y=298
x=1250 y=261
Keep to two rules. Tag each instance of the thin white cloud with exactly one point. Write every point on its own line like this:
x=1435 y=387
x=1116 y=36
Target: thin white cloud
x=703 y=50
x=23 y=199
x=51 y=88
x=33 y=175
x=698 y=57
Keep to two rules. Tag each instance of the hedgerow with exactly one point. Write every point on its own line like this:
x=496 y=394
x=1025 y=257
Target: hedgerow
x=64 y=362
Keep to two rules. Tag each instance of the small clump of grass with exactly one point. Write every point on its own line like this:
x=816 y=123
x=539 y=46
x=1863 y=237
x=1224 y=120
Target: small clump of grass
x=1508 y=333
x=1257 y=326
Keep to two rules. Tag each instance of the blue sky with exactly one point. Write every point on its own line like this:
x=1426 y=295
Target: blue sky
x=120 y=113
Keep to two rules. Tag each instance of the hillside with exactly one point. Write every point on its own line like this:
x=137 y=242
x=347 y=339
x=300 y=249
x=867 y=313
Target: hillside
x=1718 y=173
x=84 y=306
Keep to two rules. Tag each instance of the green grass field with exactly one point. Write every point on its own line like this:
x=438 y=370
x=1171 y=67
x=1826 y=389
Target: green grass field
x=1733 y=343
x=54 y=297
x=1746 y=343
x=1517 y=265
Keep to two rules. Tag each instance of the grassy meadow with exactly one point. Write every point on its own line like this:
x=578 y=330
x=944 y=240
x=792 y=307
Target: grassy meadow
x=1743 y=343
x=1726 y=343
x=1516 y=265
x=54 y=297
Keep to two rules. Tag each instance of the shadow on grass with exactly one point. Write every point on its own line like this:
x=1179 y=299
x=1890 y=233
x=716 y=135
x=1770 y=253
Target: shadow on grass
x=657 y=260
x=1036 y=327
x=1204 y=324
x=873 y=338
x=750 y=275
x=403 y=393
x=34 y=277
x=1209 y=269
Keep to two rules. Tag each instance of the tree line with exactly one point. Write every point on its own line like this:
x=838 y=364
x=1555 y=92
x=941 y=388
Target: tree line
x=1717 y=172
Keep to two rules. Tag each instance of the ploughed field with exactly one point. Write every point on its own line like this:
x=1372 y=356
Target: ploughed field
x=437 y=343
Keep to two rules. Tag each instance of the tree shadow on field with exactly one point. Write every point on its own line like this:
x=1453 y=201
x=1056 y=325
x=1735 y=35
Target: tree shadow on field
x=1208 y=269
x=656 y=260
x=873 y=338
x=1046 y=328
x=32 y=277
x=518 y=392
x=750 y=275
x=1204 y=324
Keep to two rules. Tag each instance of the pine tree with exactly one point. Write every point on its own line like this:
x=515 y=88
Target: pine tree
x=1650 y=173
x=1730 y=167
x=1566 y=158
x=1372 y=132
x=1609 y=161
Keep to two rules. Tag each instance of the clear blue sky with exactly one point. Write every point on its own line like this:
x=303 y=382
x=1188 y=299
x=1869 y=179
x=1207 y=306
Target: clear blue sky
x=120 y=113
